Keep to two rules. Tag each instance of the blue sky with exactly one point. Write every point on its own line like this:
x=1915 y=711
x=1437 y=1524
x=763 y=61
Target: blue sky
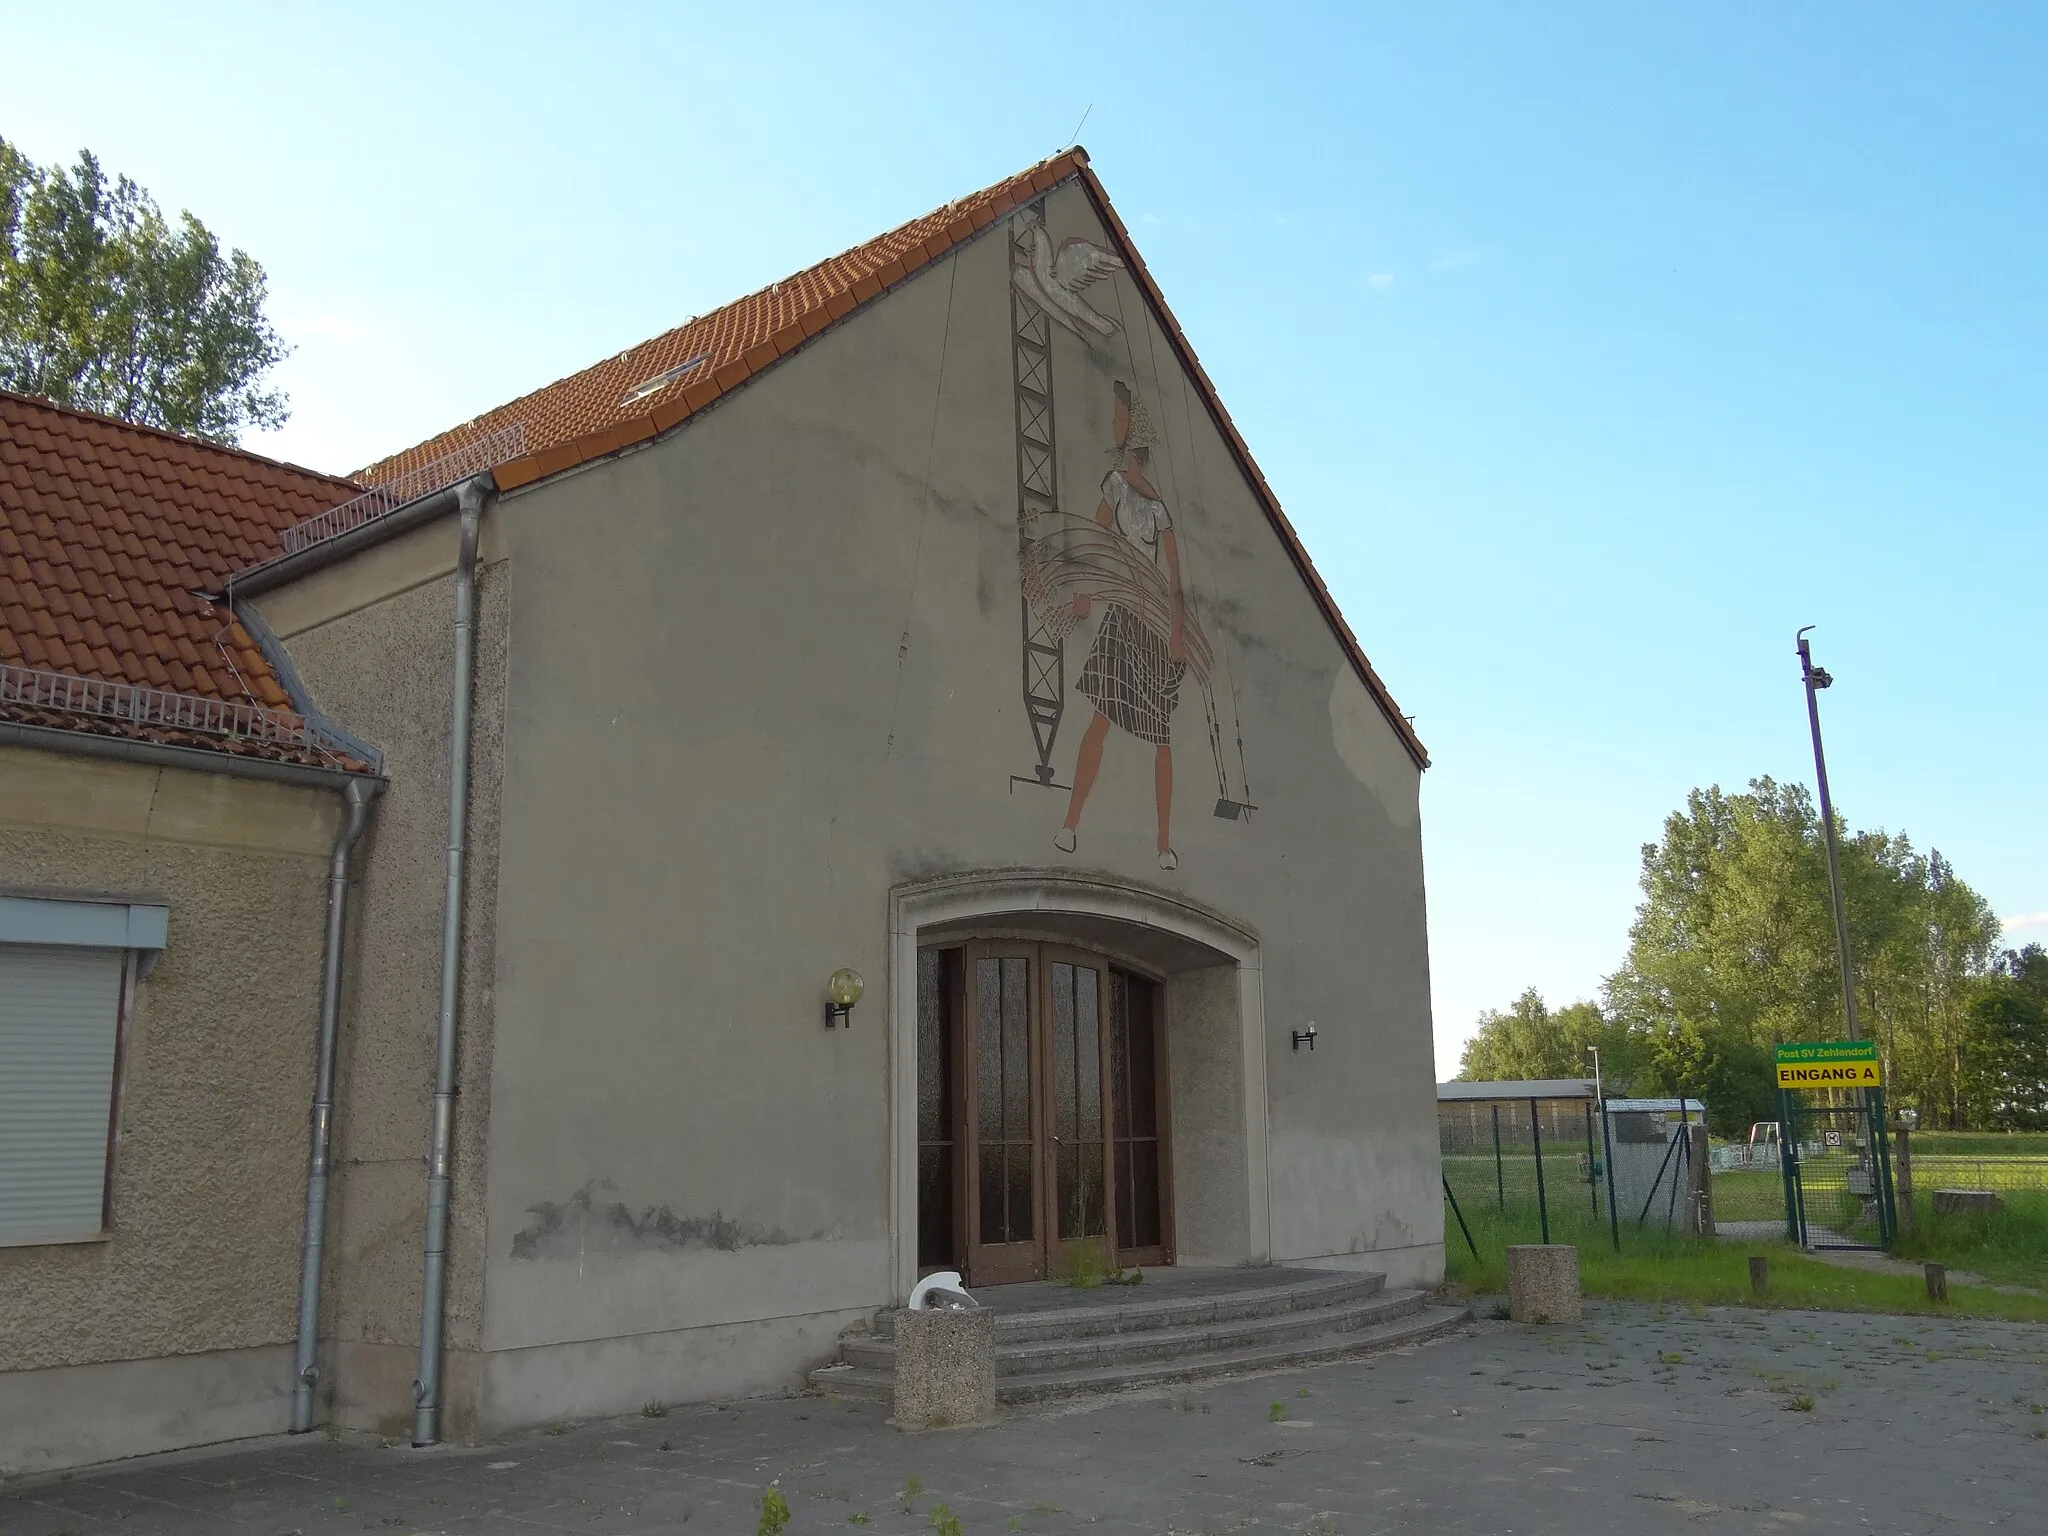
x=1592 y=348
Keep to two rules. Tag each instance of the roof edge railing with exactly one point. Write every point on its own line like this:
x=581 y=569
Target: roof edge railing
x=132 y=704
x=498 y=446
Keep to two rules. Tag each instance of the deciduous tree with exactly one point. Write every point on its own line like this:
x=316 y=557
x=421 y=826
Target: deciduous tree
x=107 y=306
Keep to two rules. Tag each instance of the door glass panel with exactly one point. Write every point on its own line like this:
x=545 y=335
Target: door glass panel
x=1076 y=1025
x=1002 y=1043
x=936 y=973
x=1134 y=1105
x=1017 y=1051
x=1088 y=1053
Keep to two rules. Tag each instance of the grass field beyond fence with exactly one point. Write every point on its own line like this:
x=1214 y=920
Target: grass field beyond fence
x=2008 y=1247
x=1656 y=1265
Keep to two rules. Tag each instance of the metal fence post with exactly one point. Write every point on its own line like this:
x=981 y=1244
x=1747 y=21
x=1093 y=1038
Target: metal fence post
x=1592 y=1163
x=1905 y=1184
x=1887 y=1206
x=1461 y=1218
x=1684 y=1161
x=1500 y=1188
x=1607 y=1142
x=1542 y=1200
x=1788 y=1161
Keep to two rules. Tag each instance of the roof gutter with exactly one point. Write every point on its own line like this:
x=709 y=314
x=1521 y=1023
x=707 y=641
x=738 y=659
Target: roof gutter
x=284 y=569
x=157 y=754
x=470 y=497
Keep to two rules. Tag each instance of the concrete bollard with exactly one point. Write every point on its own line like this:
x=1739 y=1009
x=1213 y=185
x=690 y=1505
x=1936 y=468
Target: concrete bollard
x=1543 y=1283
x=1759 y=1273
x=945 y=1368
x=1937 y=1281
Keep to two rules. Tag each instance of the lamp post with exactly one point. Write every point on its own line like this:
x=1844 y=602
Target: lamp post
x=1817 y=678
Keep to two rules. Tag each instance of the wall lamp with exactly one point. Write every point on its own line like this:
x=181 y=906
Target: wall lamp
x=1305 y=1037
x=841 y=993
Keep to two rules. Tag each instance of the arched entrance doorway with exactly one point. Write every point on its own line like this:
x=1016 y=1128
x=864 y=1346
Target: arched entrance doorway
x=1075 y=1063
x=1042 y=1109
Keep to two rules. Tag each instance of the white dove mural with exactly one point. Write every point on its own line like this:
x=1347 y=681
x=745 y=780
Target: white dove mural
x=1053 y=277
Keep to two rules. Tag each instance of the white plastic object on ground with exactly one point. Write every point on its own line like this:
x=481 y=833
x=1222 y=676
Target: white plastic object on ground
x=951 y=1292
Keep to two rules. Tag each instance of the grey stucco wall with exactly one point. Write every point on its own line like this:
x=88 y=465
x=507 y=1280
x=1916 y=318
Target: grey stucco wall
x=766 y=670
x=385 y=668
x=202 y=1257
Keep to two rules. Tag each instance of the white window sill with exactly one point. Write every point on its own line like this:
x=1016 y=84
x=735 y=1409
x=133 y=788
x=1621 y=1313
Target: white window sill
x=55 y=1240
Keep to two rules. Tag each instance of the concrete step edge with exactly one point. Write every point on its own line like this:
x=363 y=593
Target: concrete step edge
x=1427 y=1324
x=1213 y=1338
x=1318 y=1287
x=867 y=1383
x=862 y=1383
x=1016 y=1358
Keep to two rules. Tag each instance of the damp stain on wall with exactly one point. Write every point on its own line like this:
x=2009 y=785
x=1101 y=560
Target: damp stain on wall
x=587 y=1223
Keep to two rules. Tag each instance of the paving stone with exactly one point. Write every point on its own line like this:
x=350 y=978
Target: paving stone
x=1637 y=1420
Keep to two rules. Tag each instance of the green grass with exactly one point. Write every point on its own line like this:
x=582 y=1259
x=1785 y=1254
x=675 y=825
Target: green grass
x=1749 y=1194
x=1660 y=1266
x=1980 y=1144
x=2008 y=1245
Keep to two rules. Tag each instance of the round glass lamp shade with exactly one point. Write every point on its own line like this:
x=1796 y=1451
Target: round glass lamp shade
x=845 y=987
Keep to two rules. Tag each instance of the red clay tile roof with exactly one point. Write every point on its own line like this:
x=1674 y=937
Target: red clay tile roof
x=606 y=408
x=587 y=415
x=107 y=532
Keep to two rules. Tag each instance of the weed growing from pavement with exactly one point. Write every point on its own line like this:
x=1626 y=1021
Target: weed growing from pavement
x=944 y=1522
x=1277 y=1413
x=774 y=1513
x=654 y=1410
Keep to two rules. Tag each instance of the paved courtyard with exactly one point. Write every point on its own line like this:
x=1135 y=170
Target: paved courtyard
x=1641 y=1420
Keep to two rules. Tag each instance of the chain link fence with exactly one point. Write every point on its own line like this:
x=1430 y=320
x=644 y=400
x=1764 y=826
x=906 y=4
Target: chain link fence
x=1541 y=1162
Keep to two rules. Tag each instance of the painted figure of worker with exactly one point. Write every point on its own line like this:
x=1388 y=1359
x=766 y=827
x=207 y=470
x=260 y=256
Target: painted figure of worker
x=1134 y=669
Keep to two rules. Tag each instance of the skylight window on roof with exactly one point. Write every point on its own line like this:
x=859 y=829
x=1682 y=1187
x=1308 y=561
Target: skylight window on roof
x=662 y=380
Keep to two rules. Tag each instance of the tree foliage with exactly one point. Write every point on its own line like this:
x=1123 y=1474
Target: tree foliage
x=1532 y=1040
x=2006 y=1054
x=1733 y=951
x=107 y=306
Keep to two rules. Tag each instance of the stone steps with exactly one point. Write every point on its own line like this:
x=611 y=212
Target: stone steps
x=1136 y=1310
x=1064 y=1350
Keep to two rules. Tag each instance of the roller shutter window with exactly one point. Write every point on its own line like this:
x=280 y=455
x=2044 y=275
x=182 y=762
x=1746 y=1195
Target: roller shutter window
x=60 y=1021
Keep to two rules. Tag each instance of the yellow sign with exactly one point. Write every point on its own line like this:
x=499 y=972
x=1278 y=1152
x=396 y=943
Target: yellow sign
x=1829 y=1064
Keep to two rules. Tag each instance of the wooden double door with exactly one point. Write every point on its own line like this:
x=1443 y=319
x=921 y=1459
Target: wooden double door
x=1042 y=1113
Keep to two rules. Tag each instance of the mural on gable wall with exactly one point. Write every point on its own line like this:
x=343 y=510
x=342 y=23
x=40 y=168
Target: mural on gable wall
x=1123 y=565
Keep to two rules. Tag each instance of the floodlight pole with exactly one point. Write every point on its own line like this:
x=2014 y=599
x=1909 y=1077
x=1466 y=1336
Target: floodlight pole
x=1816 y=679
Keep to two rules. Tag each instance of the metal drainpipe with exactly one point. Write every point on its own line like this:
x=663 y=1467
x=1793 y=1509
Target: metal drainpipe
x=426 y=1389
x=305 y=1367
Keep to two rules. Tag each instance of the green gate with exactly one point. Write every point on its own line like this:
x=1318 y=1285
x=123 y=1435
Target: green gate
x=1838 y=1172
